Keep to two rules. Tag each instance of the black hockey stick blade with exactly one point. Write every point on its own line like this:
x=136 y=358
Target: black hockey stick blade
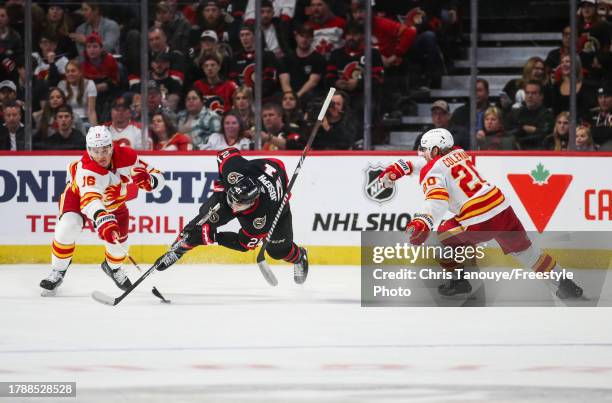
x=158 y=294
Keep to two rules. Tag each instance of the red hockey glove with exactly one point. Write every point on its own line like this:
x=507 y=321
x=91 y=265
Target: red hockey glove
x=418 y=229
x=395 y=171
x=107 y=226
x=142 y=178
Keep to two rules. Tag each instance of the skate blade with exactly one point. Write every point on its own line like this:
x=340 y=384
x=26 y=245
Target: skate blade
x=48 y=293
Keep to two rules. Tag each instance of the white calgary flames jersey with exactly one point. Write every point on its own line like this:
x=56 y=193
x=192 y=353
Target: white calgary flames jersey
x=452 y=182
x=99 y=188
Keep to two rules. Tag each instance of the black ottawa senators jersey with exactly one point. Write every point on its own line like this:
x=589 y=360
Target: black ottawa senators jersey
x=269 y=174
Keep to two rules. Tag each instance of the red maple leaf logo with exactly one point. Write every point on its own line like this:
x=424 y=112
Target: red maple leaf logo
x=540 y=193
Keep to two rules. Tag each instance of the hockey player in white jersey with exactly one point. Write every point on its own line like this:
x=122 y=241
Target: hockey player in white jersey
x=98 y=191
x=450 y=181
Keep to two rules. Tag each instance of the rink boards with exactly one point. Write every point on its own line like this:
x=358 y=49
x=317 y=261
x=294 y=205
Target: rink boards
x=334 y=199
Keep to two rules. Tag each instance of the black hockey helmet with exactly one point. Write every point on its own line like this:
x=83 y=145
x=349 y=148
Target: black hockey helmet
x=243 y=194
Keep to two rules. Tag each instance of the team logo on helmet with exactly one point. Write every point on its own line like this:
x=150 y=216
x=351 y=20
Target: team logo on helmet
x=259 y=222
x=373 y=188
x=234 y=177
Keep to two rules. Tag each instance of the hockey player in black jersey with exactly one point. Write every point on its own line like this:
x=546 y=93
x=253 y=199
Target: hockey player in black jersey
x=250 y=191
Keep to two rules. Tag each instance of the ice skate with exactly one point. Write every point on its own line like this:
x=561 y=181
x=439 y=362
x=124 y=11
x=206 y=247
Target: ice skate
x=300 y=269
x=568 y=290
x=52 y=282
x=455 y=287
x=118 y=275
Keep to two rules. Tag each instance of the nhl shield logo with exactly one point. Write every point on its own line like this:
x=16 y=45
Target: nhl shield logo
x=373 y=188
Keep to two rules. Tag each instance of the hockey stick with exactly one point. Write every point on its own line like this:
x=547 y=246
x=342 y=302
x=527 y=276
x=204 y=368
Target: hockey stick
x=155 y=291
x=108 y=300
x=261 y=260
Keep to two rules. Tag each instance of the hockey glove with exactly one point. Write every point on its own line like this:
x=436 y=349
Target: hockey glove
x=395 y=171
x=198 y=235
x=107 y=226
x=143 y=179
x=418 y=229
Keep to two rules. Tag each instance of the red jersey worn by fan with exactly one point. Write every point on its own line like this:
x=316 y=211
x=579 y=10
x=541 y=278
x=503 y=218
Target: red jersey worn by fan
x=451 y=182
x=178 y=142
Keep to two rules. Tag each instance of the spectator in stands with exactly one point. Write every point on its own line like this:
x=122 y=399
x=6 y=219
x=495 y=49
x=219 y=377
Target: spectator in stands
x=558 y=140
x=39 y=87
x=45 y=118
x=587 y=16
x=213 y=84
x=100 y=67
x=8 y=92
x=393 y=41
x=600 y=118
x=461 y=115
x=337 y=132
x=197 y=120
x=513 y=94
x=345 y=69
x=209 y=44
x=276 y=135
x=155 y=101
x=58 y=23
x=64 y=136
x=328 y=28
x=292 y=111
x=303 y=69
x=533 y=121
x=242 y=70
x=166 y=137
x=136 y=108
x=11 y=46
x=126 y=132
x=274 y=30
x=81 y=94
x=232 y=135
x=158 y=45
x=174 y=24
x=584 y=140
x=169 y=85
x=242 y=104
x=441 y=118
x=210 y=16
x=12 y=134
x=493 y=136
x=553 y=59
x=561 y=90
x=50 y=66
x=107 y=29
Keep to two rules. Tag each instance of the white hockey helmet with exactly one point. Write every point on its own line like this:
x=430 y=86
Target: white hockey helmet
x=441 y=138
x=98 y=136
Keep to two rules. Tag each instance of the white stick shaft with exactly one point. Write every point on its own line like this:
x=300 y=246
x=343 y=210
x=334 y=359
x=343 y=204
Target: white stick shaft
x=328 y=99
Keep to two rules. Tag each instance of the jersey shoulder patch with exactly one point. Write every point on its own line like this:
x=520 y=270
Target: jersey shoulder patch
x=425 y=170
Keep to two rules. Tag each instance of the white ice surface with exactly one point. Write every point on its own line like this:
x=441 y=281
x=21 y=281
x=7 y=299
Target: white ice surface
x=229 y=337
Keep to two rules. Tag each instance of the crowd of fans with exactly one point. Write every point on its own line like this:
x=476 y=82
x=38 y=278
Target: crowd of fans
x=532 y=112
x=86 y=71
x=202 y=69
